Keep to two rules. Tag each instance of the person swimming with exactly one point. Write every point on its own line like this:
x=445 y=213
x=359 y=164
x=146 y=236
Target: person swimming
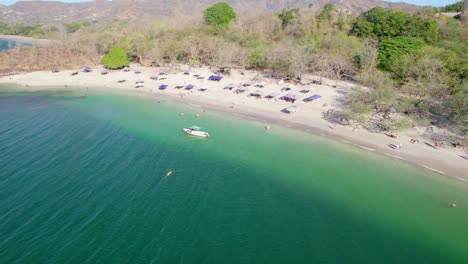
x=169 y=173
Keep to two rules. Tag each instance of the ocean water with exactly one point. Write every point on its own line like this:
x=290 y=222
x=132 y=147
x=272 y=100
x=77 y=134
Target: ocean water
x=9 y=44
x=6 y=44
x=83 y=180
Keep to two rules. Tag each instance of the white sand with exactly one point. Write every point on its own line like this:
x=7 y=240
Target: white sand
x=445 y=160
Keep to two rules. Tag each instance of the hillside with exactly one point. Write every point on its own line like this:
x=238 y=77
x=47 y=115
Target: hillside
x=132 y=9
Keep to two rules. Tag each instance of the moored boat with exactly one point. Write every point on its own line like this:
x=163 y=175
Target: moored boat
x=196 y=131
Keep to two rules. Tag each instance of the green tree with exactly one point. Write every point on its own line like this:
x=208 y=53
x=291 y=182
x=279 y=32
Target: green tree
x=392 y=48
x=287 y=15
x=456 y=7
x=380 y=23
x=116 y=59
x=326 y=12
x=220 y=14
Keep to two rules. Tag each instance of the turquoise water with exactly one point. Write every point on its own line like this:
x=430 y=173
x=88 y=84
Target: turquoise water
x=83 y=180
x=9 y=44
x=6 y=44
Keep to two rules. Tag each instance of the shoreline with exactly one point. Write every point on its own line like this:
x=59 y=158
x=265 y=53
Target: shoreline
x=444 y=161
x=23 y=39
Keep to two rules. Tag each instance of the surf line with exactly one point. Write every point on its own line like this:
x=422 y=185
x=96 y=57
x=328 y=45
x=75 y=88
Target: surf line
x=432 y=169
x=393 y=156
x=461 y=179
x=195 y=105
x=366 y=148
x=246 y=117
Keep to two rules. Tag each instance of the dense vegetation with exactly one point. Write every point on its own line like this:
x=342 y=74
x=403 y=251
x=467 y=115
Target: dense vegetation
x=414 y=65
x=456 y=7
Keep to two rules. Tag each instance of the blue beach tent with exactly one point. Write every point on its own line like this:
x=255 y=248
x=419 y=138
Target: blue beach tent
x=215 y=78
x=312 y=98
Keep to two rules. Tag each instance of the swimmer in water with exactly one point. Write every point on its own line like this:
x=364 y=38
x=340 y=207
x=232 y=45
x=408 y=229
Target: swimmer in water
x=182 y=114
x=198 y=116
x=169 y=173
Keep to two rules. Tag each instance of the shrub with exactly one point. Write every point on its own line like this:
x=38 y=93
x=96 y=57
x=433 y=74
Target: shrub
x=116 y=59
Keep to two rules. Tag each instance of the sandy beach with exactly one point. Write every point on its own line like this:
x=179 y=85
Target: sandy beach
x=445 y=160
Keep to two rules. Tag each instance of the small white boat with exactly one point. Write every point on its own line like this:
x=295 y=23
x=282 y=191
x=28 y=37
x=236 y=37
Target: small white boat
x=196 y=131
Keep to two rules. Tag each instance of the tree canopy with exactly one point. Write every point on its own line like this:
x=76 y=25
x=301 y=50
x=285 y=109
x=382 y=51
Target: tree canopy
x=116 y=59
x=392 y=48
x=456 y=7
x=220 y=14
x=287 y=15
x=380 y=23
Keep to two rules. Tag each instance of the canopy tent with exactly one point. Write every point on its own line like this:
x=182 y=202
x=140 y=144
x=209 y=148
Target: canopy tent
x=272 y=95
x=215 y=78
x=229 y=87
x=86 y=69
x=55 y=71
x=179 y=86
x=104 y=72
x=256 y=94
x=250 y=83
x=312 y=98
x=121 y=80
x=260 y=84
x=126 y=69
x=190 y=87
x=153 y=77
x=187 y=72
x=241 y=90
x=137 y=71
x=163 y=86
x=291 y=109
x=290 y=97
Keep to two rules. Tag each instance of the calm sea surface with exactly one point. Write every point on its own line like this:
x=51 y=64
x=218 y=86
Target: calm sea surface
x=6 y=44
x=83 y=180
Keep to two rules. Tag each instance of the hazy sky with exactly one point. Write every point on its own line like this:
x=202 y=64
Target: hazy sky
x=416 y=2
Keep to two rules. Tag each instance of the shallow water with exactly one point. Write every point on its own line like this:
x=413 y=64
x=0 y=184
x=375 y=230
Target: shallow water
x=83 y=180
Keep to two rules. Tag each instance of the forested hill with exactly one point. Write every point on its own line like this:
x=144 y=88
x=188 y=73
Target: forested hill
x=24 y=11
